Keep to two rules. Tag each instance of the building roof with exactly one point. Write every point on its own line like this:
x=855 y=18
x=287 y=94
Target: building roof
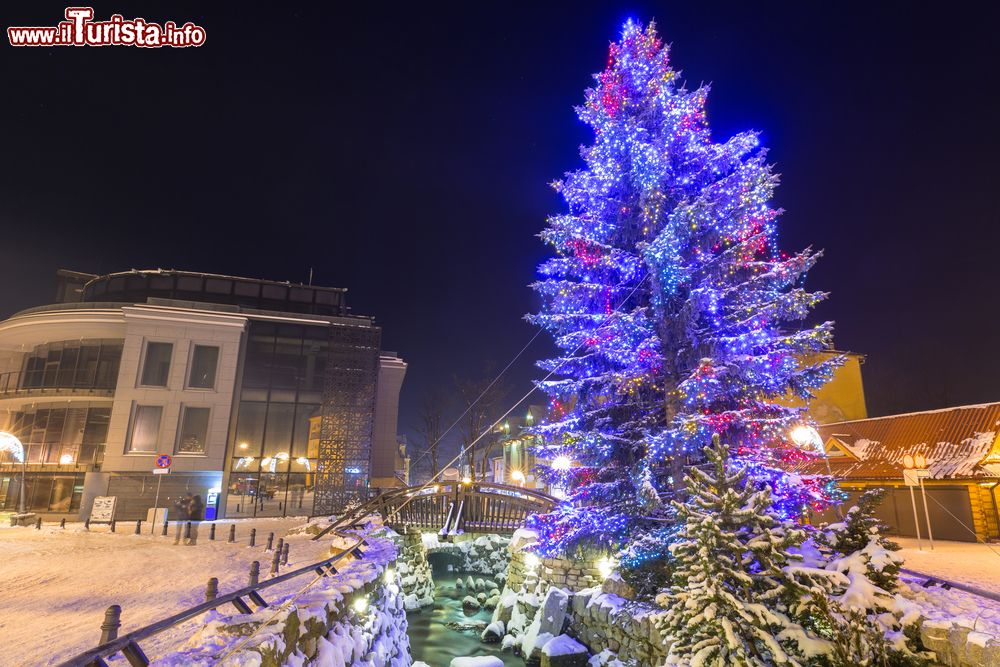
x=958 y=443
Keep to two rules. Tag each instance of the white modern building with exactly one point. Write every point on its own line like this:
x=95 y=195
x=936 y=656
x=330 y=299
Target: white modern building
x=269 y=398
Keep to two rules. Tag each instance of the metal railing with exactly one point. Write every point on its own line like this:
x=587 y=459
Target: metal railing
x=33 y=383
x=930 y=580
x=451 y=507
x=128 y=645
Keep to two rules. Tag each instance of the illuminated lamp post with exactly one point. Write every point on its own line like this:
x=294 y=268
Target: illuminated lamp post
x=808 y=438
x=914 y=471
x=11 y=443
x=561 y=463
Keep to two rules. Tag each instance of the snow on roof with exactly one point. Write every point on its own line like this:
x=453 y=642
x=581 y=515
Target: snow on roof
x=954 y=441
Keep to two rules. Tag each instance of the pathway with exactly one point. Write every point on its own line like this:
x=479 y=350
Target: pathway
x=57 y=583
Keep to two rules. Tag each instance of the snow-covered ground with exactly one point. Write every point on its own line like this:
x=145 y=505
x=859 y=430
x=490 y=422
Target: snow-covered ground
x=970 y=563
x=962 y=562
x=56 y=584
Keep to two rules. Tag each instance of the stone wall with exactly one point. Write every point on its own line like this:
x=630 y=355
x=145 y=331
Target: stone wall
x=958 y=646
x=416 y=577
x=468 y=553
x=547 y=598
x=322 y=626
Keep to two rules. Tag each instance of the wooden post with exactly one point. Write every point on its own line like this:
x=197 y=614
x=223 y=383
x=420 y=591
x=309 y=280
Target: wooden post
x=212 y=589
x=211 y=532
x=138 y=526
x=62 y=522
x=284 y=555
x=254 y=573
x=270 y=542
x=164 y=533
x=281 y=544
x=232 y=532
x=274 y=563
x=112 y=621
x=253 y=536
x=38 y=523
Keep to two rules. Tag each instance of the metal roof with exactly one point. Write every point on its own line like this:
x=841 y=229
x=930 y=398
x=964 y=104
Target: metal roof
x=955 y=442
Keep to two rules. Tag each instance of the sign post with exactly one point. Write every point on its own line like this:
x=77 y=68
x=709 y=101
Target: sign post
x=914 y=471
x=911 y=480
x=163 y=462
x=921 y=474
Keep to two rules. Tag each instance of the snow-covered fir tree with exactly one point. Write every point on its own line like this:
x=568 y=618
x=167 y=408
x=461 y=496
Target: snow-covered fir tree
x=728 y=604
x=675 y=313
x=860 y=535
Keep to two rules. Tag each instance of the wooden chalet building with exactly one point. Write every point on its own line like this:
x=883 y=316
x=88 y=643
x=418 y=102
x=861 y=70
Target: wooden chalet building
x=962 y=450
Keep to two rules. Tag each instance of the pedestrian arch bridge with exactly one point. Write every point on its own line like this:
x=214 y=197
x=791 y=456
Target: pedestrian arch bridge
x=451 y=508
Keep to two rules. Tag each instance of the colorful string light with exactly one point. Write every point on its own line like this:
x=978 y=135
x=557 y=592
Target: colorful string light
x=676 y=315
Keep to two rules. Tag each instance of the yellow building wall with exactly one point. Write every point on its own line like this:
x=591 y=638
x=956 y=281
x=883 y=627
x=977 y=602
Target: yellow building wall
x=840 y=399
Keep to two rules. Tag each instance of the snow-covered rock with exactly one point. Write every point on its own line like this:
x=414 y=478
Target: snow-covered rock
x=478 y=661
x=493 y=633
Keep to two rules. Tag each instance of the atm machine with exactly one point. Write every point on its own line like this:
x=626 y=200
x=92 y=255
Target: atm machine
x=212 y=505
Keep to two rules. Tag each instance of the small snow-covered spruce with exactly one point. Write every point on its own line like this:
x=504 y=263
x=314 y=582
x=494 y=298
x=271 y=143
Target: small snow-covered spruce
x=728 y=601
x=646 y=563
x=861 y=534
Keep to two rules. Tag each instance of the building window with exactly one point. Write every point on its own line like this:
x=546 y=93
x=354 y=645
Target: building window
x=145 y=428
x=193 y=432
x=156 y=366
x=204 y=363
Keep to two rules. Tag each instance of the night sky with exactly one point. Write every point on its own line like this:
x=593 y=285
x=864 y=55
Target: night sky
x=405 y=153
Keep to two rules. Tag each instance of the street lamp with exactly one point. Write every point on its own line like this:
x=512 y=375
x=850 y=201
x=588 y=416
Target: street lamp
x=808 y=438
x=11 y=443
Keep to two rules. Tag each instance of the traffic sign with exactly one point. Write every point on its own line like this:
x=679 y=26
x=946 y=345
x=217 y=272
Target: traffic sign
x=164 y=461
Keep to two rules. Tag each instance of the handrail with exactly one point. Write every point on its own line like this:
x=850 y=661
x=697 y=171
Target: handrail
x=931 y=580
x=383 y=502
x=128 y=644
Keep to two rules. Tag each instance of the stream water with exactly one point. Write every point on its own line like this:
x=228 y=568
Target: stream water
x=435 y=642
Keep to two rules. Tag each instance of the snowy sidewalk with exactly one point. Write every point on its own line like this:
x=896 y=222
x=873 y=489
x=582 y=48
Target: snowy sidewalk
x=964 y=562
x=58 y=583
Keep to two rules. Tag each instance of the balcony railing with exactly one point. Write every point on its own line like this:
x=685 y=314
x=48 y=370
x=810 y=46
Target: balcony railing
x=33 y=383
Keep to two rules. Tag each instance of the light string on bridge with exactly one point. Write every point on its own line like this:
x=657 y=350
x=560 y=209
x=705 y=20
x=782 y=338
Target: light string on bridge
x=459 y=419
x=464 y=450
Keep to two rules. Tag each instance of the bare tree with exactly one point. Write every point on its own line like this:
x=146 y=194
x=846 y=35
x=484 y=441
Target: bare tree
x=483 y=398
x=431 y=427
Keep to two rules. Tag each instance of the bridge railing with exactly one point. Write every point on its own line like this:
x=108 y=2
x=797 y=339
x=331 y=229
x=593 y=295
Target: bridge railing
x=452 y=507
x=128 y=645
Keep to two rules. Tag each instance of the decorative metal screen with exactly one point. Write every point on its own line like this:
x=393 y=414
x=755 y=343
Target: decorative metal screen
x=348 y=411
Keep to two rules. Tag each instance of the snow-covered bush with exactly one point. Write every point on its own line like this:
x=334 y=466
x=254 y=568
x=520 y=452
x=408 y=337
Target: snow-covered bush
x=860 y=535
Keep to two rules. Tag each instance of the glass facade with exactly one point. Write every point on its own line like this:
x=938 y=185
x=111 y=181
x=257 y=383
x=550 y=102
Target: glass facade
x=62 y=435
x=139 y=286
x=272 y=469
x=45 y=492
x=79 y=365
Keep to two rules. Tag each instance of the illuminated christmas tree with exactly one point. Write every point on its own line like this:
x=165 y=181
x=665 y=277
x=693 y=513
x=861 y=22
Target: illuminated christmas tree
x=676 y=315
